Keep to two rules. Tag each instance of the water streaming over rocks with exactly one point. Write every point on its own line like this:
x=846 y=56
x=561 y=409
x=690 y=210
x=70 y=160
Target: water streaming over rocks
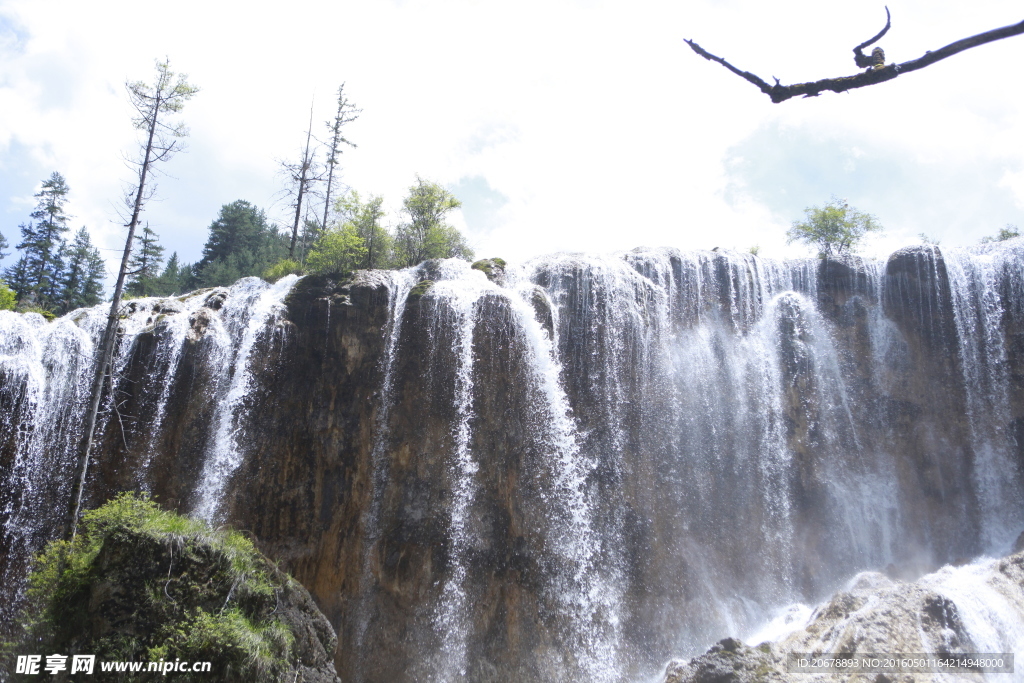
x=573 y=469
x=46 y=370
x=249 y=308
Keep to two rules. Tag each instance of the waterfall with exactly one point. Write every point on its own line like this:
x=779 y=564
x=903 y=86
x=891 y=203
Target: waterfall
x=450 y=618
x=988 y=604
x=580 y=595
x=575 y=467
x=44 y=370
x=45 y=373
x=983 y=282
x=973 y=608
x=251 y=304
x=398 y=287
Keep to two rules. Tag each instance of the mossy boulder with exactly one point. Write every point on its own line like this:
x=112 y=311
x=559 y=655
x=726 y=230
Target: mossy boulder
x=145 y=585
x=421 y=288
x=49 y=315
x=493 y=268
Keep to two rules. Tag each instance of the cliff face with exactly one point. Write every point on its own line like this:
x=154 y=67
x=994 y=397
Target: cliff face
x=581 y=471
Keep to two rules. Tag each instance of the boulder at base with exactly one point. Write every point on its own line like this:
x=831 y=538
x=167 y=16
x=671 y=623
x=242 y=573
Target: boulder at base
x=140 y=584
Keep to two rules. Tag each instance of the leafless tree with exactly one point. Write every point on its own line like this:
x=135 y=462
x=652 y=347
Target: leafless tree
x=167 y=95
x=347 y=113
x=302 y=175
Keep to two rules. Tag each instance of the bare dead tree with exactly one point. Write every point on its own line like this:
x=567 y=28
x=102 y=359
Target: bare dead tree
x=161 y=140
x=347 y=113
x=302 y=174
x=877 y=70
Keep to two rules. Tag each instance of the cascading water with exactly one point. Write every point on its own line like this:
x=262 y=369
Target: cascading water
x=578 y=594
x=45 y=370
x=572 y=469
x=702 y=370
x=450 y=614
x=974 y=608
x=398 y=287
x=984 y=282
x=250 y=307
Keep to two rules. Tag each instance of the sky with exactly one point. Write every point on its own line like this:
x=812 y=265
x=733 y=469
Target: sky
x=561 y=125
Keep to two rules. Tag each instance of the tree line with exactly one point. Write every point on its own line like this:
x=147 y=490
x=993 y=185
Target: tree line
x=53 y=275
x=358 y=238
x=243 y=242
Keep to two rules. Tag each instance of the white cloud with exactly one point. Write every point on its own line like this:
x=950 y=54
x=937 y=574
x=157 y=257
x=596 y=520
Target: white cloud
x=594 y=119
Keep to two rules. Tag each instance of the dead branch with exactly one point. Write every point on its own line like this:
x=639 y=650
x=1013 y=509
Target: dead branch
x=875 y=74
x=862 y=60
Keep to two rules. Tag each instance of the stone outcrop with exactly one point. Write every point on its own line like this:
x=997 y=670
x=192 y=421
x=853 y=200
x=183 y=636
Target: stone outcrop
x=874 y=615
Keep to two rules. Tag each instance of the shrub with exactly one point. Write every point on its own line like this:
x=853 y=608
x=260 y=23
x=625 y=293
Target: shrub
x=283 y=267
x=7 y=297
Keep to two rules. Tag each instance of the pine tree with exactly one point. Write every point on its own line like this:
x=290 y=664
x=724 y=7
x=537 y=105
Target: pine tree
x=174 y=278
x=308 y=235
x=95 y=274
x=3 y=245
x=347 y=113
x=82 y=282
x=242 y=243
x=302 y=175
x=233 y=230
x=51 y=293
x=17 y=277
x=144 y=265
x=42 y=241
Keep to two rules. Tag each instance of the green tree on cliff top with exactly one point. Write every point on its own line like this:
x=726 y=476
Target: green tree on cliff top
x=366 y=216
x=835 y=228
x=82 y=279
x=7 y=295
x=242 y=242
x=144 y=264
x=426 y=235
x=1007 y=233
x=41 y=243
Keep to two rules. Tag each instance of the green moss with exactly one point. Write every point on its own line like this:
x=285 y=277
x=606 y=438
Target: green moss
x=489 y=265
x=141 y=582
x=421 y=288
x=49 y=315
